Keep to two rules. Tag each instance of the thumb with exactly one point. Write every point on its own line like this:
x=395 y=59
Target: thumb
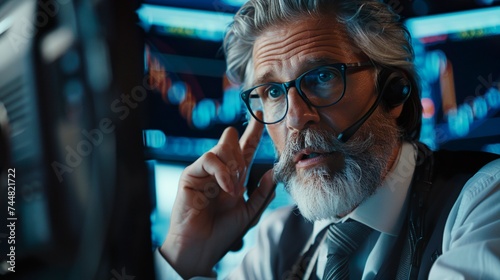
x=261 y=197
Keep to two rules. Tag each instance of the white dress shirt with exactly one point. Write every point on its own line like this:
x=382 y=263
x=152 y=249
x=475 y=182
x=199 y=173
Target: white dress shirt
x=471 y=241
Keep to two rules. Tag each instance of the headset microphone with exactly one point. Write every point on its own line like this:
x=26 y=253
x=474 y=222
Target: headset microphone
x=349 y=132
x=396 y=90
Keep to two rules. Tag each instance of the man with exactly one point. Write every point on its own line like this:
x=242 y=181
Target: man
x=334 y=84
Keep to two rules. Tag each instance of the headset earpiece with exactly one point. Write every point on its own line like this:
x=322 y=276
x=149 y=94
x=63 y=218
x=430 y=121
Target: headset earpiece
x=394 y=87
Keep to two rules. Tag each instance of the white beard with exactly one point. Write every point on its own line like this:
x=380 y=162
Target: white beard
x=320 y=196
x=321 y=193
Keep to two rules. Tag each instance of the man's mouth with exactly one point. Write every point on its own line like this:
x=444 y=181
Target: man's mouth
x=308 y=154
x=309 y=159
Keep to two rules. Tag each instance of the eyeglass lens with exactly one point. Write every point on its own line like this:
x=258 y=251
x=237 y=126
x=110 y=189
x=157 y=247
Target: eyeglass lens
x=321 y=86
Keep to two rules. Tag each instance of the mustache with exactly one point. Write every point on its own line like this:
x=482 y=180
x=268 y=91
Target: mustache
x=318 y=140
x=322 y=141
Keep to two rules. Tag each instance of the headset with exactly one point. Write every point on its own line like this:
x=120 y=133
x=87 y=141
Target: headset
x=394 y=89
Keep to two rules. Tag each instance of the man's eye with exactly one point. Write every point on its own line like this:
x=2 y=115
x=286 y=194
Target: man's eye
x=320 y=78
x=324 y=76
x=274 y=92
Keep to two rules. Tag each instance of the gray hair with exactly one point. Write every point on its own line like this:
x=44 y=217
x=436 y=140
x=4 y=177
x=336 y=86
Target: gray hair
x=372 y=25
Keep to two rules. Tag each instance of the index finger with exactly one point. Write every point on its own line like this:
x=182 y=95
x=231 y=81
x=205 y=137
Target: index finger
x=250 y=139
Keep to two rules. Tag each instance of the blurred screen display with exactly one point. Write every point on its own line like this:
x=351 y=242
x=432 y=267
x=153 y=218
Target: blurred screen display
x=194 y=100
x=457 y=58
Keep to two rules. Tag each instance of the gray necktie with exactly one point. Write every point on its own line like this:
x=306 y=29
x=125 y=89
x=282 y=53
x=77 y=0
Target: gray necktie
x=343 y=240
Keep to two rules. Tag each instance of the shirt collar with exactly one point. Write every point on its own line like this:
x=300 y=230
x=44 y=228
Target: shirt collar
x=376 y=211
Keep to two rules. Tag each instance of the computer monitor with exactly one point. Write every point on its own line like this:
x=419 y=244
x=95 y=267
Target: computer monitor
x=457 y=59
x=74 y=190
x=193 y=101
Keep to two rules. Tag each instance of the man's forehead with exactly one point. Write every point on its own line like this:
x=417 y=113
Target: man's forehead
x=304 y=29
x=309 y=42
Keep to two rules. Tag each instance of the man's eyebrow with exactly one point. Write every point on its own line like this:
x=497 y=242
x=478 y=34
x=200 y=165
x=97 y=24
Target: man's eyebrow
x=264 y=78
x=318 y=61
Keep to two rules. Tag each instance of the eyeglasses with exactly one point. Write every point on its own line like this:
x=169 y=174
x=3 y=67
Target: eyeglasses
x=319 y=87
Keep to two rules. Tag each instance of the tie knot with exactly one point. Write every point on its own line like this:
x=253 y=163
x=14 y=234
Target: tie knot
x=345 y=238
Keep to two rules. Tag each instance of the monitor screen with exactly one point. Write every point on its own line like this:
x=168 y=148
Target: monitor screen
x=456 y=56
x=193 y=101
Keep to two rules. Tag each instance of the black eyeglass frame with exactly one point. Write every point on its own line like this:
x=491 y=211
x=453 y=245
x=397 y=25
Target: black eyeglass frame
x=342 y=67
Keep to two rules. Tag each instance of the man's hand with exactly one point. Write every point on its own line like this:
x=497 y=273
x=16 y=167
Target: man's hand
x=210 y=212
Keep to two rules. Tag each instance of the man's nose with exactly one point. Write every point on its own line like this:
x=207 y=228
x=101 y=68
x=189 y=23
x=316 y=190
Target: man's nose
x=300 y=114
